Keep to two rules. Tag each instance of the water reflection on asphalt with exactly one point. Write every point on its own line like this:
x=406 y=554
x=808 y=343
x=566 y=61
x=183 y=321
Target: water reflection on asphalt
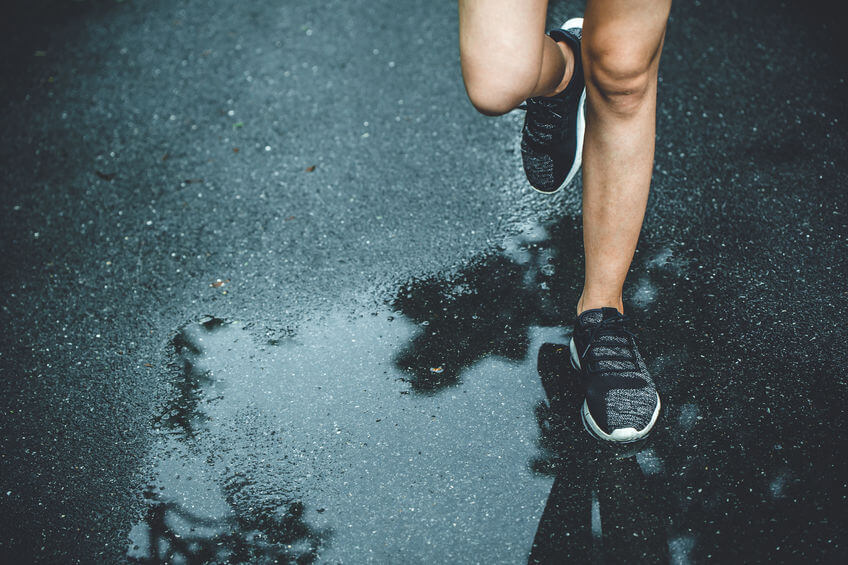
x=322 y=433
x=443 y=426
x=606 y=504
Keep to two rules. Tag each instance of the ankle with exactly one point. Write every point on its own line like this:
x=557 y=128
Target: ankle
x=568 y=67
x=593 y=302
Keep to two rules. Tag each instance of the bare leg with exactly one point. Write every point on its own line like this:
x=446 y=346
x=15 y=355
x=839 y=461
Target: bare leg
x=622 y=40
x=506 y=56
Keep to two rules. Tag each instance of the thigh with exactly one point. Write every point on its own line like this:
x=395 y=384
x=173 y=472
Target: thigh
x=501 y=38
x=625 y=35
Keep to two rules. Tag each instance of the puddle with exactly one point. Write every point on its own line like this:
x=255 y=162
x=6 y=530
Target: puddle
x=321 y=447
x=416 y=431
x=443 y=425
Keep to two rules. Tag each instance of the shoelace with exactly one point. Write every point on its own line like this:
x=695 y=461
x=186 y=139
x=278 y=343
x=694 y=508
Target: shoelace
x=544 y=116
x=613 y=327
x=547 y=103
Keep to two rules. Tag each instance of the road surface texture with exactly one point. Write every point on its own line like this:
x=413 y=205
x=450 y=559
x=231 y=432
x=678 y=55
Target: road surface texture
x=272 y=291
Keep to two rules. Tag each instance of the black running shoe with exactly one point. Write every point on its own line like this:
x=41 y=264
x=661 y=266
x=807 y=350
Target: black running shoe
x=552 y=138
x=622 y=404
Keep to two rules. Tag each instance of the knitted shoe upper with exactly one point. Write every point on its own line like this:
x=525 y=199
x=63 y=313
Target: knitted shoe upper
x=619 y=390
x=549 y=139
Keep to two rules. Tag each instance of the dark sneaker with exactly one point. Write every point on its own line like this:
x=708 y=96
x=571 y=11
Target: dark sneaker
x=622 y=404
x=552 y=138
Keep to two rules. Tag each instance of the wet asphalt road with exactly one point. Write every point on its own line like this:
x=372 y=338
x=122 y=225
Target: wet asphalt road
x=271 y=290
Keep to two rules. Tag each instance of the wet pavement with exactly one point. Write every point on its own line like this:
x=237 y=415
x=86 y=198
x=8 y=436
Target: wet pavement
x=273 y=292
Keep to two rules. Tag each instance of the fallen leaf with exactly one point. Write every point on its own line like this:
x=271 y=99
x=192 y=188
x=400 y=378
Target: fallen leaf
x=165 y=156
x=148 y=365
x=235 y=149
x=190 y=181
x=289 y=219
x=310 y=168
x=105 y=176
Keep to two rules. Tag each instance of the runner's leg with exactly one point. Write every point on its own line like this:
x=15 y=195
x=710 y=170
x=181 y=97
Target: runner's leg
x=622 y=40
x=506 y=56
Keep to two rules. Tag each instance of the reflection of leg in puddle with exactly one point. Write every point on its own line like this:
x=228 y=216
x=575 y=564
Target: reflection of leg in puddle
x=603 y=507
x=601 y=512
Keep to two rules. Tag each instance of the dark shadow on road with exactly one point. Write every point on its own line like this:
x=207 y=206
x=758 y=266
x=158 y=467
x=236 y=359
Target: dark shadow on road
x=485 y=310
x=602 y=507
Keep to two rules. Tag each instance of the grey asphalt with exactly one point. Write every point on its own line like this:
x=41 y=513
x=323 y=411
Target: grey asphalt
x=271 y=290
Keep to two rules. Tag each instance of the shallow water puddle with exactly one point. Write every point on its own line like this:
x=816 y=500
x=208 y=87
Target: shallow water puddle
x=422 y=430
x=319 y=446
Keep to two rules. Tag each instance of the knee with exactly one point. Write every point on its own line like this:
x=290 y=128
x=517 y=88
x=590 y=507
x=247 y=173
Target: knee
x=622 y=79
x=499 y=91
x=490 y=102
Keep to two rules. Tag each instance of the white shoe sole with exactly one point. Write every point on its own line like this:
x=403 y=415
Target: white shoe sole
x=581 y=124
x=618 y=435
